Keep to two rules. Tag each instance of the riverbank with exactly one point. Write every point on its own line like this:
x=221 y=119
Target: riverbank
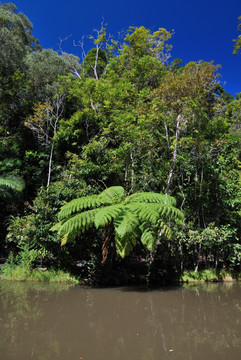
x=211 y=275
x=20 y=273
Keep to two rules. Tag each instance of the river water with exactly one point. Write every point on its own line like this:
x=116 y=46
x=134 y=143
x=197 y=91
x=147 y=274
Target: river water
x=48 y=322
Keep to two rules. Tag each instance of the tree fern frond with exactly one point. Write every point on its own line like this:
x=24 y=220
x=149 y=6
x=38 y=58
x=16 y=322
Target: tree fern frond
x=12 y=182
x=124 y=246
x=171 y=212
x=78 y=223
x=145 y=211
x=150 y=197
x=64 y=239
x=57 y=226
x=105 y=215
x=78 y=205
x=68 y=237
x=113 y=194
x=165 y=230
x=148 y=239
x=126 y=225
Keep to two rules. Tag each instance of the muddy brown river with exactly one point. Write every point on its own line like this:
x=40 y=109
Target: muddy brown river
x=48 y=322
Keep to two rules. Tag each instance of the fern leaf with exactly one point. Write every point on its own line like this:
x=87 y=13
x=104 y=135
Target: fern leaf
x=68 y=237
x=113 y=194
x=57 y=226
x=173 y=213
x=64 y=239
x=148 y=239
x=150 y=197
x=105 y=215
x=126 y=225
x=165 y=230
x=145 y=211
x=78 y=223
x=12 y=182
x=124 y=246
x=78 y=205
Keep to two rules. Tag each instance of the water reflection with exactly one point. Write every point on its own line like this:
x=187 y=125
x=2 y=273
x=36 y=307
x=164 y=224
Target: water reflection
x=58 y=322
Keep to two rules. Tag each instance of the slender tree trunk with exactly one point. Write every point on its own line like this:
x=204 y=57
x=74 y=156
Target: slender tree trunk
x=132 y=168
x=174 y=155
x=57 y=111
x=96 y=62
x=167 y=136
x=50 y=165
x=198 y=257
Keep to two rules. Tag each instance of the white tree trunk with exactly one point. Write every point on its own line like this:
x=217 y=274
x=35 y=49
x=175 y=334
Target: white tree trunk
x=174 y=155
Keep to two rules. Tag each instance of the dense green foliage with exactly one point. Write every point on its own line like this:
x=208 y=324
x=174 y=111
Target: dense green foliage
x=127 y=120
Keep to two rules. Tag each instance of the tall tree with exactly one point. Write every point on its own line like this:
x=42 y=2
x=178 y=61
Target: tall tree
x=16 y=41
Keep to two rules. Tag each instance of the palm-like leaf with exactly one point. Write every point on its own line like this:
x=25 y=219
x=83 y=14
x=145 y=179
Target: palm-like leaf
x=126 y=225
x=150 y=197
x=106 y=215
x=78 y=205
x=12 y=182
x=148 y=239
x=77 y=223
x=124 y=245
x=113 y=194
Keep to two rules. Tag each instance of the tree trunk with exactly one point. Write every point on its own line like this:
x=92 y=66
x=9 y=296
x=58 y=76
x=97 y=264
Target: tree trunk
x=50 y=165
x=107 y=238
x=174 y=155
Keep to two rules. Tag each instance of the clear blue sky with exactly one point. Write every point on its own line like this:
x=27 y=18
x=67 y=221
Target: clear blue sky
x=204 y=29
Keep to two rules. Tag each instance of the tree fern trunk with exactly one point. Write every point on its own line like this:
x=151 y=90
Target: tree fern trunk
x=107 y=239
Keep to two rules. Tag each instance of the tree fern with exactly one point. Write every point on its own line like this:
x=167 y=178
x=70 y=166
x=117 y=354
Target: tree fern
x=138 y=214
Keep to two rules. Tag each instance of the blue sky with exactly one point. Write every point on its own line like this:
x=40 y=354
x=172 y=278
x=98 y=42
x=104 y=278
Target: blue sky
x=204 y=29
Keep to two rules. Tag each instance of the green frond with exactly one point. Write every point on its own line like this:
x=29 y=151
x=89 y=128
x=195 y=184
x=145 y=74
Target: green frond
x=57 y=226
x=146 y=212
x=105 y=215
x=168 y=211
x=78 y=223
x=113 y=194
x=165 y=230
x=148 y=239
x=78 y=205
x=64 y=239
x=126 y=225
x=124 y=246
x=150 y=197
x=68 y=237
x=12 y=182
